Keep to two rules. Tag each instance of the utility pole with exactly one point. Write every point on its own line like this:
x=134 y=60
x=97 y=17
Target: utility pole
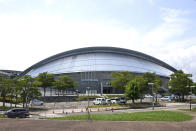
x=152 y=95
x=88 y=89
x=191 y=96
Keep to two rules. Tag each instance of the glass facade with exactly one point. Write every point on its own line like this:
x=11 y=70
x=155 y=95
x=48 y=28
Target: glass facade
x=100 y=62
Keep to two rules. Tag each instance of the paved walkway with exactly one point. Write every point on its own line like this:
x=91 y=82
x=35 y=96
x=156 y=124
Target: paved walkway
x=65 y=112
x=60 y=125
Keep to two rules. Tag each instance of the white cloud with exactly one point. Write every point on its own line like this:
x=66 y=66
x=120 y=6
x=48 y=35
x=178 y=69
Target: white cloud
x=174 y=15
x=152 y=2
x=38 y=37
x=183 y=58
x=167 y=43
x=26 y=40
x=49 y=2
x=5 y=1
x=128 y=1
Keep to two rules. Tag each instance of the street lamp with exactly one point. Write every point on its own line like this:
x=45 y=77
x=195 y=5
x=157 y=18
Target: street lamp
x=190 y=75
x=77 y=92
x=152 y=95
x=88 y=89
x=191 y=87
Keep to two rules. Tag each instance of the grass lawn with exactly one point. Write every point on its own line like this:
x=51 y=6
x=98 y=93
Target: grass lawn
x=4 y=108
x=193 y=109
x=137 y=116
x=2 y=116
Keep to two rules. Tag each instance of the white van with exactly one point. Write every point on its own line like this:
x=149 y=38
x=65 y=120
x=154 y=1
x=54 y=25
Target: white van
x=36 y=102
x=115 y=100
x=166 y=98
x=99 y=101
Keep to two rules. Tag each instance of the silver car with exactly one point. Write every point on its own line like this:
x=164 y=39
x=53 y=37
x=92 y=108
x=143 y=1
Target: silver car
x=115 y=100
x=99 y=101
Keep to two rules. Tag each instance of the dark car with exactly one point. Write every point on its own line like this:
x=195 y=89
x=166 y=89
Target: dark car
x=17 y=112
x=123 y=100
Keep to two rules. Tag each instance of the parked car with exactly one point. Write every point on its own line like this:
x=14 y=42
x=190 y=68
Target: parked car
x=123 y=100
x=17 y=112
x=99 y=101
x=166 y=98
x=115 y=100
x=148 y=96
x=36 y=102
x=108 y=101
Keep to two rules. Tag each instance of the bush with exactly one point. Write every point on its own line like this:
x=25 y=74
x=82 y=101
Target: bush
x=84 y=98
x=112 y=96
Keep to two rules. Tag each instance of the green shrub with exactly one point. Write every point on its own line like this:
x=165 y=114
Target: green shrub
x=84 y=98
x=112 y=96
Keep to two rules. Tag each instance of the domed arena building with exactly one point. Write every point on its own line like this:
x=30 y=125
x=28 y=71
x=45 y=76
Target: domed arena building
x=92 y=66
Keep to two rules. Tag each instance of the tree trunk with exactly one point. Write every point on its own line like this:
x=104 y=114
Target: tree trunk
x=3 y=101
x=24 y=100
x=140 y=100
x=16 y=100
x=133 y=101
x=26 y=104
x=50 y=91
x=183 y=97
x=156 y=98
x=178 y=97
x=11 y=103
x=15 y=103
x=44 y=91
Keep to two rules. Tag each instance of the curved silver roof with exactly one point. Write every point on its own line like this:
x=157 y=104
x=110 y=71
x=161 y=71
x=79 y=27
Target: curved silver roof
x=99 y=50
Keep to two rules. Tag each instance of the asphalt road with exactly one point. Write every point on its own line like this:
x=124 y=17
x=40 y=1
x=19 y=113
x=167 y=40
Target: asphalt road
x=31 y=124
x=60 y=125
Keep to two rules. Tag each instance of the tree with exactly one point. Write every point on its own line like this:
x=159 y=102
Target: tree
x=33 y=93
x=25 y=82
x=29 y=90
x=11 y=92
x=63 y=83
x=179 y=82
x=194 y=89
x=121 y=79
x=12 y=89
x=132 y=90
x=46 y=80
x=17 y=89
x=150 y=78
x=4 y=88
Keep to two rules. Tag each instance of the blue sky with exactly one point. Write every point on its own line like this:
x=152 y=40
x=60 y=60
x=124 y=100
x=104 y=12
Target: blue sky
x=33 y=30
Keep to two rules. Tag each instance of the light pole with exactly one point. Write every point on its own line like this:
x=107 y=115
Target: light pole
x=190 y=75
x=101 y=88
x=152 y=95
x=88 y=89
x=77 y=92
x=191 y=96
